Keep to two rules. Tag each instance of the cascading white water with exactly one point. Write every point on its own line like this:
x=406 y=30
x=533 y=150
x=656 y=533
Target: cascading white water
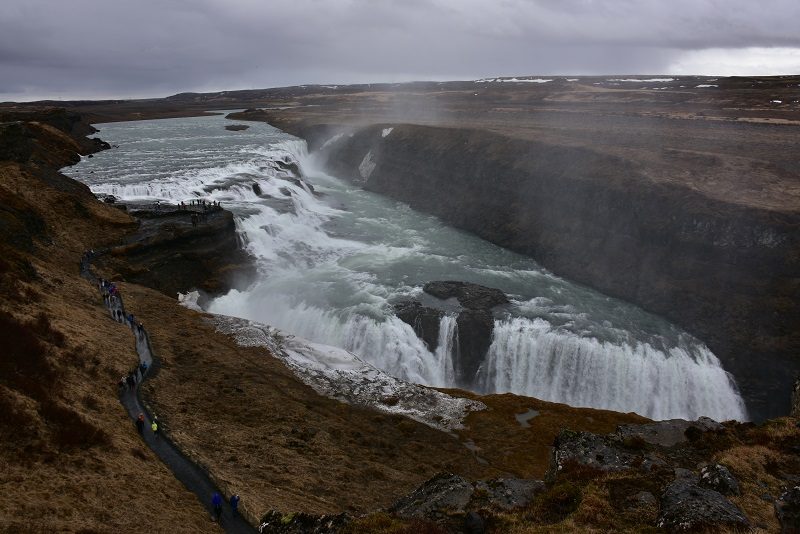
x=531 y=358
x=447 y=351
x=333 y=262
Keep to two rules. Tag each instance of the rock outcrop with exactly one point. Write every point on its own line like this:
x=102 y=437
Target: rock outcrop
x=447 y=496
x=718 y=478
x=171 y=254
x=474 y=321
x=639 y=447
x=301 y=523
x=236 y=127
x=424 y=320
x=687 y=507
x=722 y=270
x=667 y=433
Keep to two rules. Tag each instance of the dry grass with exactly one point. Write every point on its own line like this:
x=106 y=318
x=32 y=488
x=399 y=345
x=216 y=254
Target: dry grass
x=65 y=457
x=272 y=439
x=526 y=451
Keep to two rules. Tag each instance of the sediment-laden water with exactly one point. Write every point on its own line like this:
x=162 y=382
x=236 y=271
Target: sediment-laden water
x=333 y=260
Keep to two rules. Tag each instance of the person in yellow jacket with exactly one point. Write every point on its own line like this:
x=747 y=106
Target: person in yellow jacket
x=154 y=427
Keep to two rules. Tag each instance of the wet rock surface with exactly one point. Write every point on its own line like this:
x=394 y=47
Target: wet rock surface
x=474 y=318
x=236 y=127
x=424 y=320
x=686 y=507
x=472 y=296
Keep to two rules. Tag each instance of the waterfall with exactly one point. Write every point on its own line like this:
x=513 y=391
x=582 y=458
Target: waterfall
x=531 y=358
x=447 y=351
x=334 y=259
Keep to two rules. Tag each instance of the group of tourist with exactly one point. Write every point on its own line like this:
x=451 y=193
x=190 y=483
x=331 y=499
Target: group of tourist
x=113 y=301
x=133 y=377
x=200 y=209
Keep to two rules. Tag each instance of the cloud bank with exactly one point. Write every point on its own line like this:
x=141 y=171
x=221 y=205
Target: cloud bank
x=142 y=48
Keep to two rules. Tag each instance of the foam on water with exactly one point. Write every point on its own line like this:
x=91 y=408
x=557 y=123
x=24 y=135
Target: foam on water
x=334 y=260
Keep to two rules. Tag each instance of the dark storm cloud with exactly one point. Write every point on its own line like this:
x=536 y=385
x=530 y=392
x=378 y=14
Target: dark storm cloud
x=94 y=48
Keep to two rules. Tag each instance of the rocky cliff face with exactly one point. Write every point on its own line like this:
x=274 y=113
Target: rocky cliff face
x=171 y=254
x=725 y=272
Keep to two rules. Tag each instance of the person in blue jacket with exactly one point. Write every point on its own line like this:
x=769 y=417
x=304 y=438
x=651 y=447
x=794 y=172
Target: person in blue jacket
x=234 y=504
x=216 y=503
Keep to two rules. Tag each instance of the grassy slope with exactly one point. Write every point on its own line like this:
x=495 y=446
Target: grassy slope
x=71 y=458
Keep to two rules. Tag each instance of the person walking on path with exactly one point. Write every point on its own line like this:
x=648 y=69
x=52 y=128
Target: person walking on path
x=216 y=503
x=130 y=381
x=235 y=504
x=140 y=424
x=154 y=427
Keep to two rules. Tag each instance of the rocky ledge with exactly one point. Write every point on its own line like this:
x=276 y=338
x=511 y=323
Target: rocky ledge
x=177 y=250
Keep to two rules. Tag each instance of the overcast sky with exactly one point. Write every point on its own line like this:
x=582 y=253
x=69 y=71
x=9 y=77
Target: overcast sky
x=140 y=48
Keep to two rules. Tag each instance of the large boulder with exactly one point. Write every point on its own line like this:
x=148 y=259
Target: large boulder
x=718 y=478
x=667 y=433
x=446 y=496
x=437 y=498
x=686 y=507
x=472 y=296
x=602 y=453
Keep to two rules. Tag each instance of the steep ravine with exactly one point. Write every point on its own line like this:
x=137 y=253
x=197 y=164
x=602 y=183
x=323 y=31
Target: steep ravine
x=725 y=272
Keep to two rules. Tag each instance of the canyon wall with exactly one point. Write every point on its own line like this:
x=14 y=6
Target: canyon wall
x=725 y=272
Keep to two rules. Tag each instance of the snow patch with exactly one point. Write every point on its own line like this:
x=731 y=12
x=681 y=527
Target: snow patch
x=386 y=131
x=514 y=80
x=776 y=101
x=641 y=80
x=573 y=79
x=189 y=300
x=366 y=166
x=704 y=85
x=341 y=375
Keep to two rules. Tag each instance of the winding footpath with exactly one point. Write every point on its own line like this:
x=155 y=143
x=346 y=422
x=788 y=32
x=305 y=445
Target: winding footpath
x=189 y=473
